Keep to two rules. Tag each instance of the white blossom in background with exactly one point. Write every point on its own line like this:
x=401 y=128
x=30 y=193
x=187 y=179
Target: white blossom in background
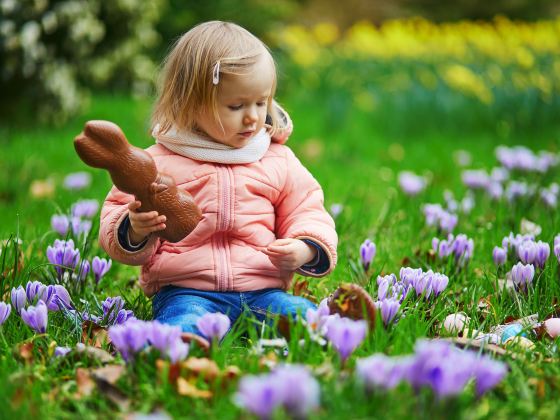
x=54 y=73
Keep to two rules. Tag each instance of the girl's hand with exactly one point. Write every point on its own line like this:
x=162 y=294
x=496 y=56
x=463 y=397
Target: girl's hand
x=290 y=254
x=143 y=223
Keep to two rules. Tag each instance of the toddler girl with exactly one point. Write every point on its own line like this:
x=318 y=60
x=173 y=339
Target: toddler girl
x=221 y=136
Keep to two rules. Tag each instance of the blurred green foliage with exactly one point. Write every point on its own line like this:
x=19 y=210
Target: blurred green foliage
x=257 y=16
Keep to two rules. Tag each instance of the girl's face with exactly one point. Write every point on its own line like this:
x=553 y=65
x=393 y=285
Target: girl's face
x=242 y=104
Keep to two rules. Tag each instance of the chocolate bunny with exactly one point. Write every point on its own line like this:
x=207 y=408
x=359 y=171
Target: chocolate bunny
x=102 y=144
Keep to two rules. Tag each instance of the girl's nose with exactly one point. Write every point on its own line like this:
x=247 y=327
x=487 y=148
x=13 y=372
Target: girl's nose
x=250 y=117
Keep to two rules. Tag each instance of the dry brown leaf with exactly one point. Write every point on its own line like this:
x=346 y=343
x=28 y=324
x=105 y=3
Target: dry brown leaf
x=201 y=367
x=25 y=351
x=185 y=388
x=231 y=372
x=96 y=353
x=109 y=373
x=301 y=288
x=42 y=188
x=94 y=335
x=84 y=382
x=269 y=360
x=284 y=326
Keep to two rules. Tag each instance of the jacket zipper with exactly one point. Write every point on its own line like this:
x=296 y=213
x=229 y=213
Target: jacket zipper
x=225 y=223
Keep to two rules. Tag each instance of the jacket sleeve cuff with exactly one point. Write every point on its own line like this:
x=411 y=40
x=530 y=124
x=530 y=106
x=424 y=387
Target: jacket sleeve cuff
x=124 y=239
x=322 y=263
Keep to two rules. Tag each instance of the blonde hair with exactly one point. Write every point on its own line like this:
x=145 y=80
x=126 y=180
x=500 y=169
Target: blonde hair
x=186 y=89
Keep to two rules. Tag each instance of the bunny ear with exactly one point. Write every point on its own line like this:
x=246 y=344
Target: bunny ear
x=106 y=133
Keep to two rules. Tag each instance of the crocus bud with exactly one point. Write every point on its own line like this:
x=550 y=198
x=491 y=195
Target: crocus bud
x=522 y=275
x=499 y=255
x=367 y=253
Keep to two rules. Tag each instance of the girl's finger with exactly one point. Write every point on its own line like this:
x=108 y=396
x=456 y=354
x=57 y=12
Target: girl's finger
x=134 y=205
x=145 y=217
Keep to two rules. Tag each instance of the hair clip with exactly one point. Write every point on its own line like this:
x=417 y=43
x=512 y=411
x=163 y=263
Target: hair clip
x=216 y=73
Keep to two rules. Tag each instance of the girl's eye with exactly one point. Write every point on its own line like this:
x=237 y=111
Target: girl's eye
x=235 y=107
x=261 y=103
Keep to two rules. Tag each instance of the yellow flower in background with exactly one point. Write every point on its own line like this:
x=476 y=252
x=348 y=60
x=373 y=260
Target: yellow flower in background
x=525 y=58
x=326 y=33
x=471 y=57
x=464 y=80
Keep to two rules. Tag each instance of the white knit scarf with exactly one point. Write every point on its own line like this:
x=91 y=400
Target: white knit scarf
x=195 y=146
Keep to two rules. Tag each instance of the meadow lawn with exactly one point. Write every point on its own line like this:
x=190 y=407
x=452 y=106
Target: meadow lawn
x=357 y=162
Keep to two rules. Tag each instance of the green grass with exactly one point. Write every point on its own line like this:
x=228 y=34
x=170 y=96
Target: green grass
x=356 y=160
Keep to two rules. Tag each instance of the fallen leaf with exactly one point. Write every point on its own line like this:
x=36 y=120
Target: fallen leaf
x=84 y=382
x=42 y=188
x=539 y=385
x=185 y=388
x=231 y=372
x=95 y=353
x=94 y=335
x=25 y=351
x=283 y=326
x=109 y=373
x=301 y=288
x=201 y=367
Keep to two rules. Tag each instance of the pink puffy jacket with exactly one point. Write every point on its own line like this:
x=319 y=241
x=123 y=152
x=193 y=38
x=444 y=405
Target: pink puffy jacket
x=244 y=208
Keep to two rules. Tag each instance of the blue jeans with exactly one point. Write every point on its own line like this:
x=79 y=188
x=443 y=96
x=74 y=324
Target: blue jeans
x=181 y=306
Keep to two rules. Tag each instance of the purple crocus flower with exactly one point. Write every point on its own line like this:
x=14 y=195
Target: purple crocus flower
x=409 y=275
x=410 y=183
x=475 y=178
x=300 y=390
x=85 y=208
x=35 y=289
x=100 y=267
x=522 y=275
x=557 y=240
x=423 y=284
x=385 y=284
x=488 y=373
x=388 y=308
x=36 y=317
x=167 y=339
x=316 y=318
x=60 y=224
x=213 y=325
x=336 y=210
x=495 y=190
x=19 y=298
x=5 y=309
x=499 y=255
x=61 y=351
x=557 y=251
x=61 y=299
x=77 y=181
x=542 y=254
x=80 y=226
x=83 y=270
x=367 y=253
x=129 y=338
x=442 y=367
x=439 y=283
x=63 y=255
x=114 y=312
x=346 y=335
x=380 y=371
x=527 y=251
x=448 y=221
x=260 y=395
